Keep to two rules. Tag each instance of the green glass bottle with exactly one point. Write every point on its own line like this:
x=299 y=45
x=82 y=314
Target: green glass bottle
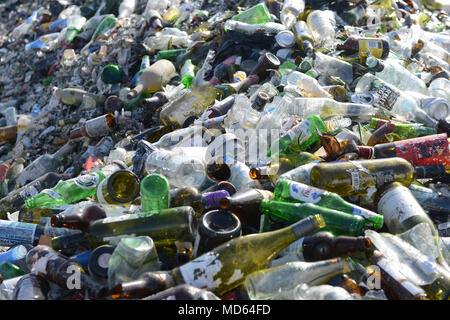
x=9 y=270
x=171 y=55
x=68 y=191
x=300 y=137
x=225 y=267
x=73 y=190
x=291 y=191
x=337 y=222
x=187 y=73
x=403 y=130
x=165 y=227
x=154 y=193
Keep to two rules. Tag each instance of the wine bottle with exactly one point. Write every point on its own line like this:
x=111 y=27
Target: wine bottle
x=337 y=222
x=224 y=268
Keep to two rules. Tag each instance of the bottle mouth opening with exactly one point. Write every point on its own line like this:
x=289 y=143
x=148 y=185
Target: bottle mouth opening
x=123 y=178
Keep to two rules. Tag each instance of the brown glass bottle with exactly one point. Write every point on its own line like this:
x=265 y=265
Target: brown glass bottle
x=345 y=282
x=324 y=245
x=8 y=134
x=379 y=48
x=155 y=102
x=96 y=127
x=79 y=221
x=245 y=205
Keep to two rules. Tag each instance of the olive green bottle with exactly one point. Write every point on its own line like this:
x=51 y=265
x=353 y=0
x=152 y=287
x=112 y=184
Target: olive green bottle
x=225 y=267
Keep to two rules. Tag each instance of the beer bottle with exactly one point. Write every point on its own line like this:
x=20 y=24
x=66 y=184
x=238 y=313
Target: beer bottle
x=23 y=233
x=245 y=204
x=80 y=220
x=45 y=164
x=337 y=222
x=16 y=198
x=216 y=270
x=291 y=191
x=154 y=193
x=299 y=137
x=378 y=48
x=119 y=188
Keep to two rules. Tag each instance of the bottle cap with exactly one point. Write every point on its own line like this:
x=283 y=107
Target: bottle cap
x=111 y=74
x=99 y=261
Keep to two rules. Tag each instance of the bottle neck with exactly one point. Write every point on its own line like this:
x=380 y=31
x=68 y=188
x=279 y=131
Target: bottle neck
x=148 y=284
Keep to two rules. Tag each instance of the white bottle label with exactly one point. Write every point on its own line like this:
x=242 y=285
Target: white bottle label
x=302 y=130
x=305 y=193
x=398 y=205
x=201 y=272
x=87 y=181
x=51 y=193
x=387 y=96
x=355 y=177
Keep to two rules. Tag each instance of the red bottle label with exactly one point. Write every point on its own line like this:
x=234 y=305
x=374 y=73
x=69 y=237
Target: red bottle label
x=425 y=151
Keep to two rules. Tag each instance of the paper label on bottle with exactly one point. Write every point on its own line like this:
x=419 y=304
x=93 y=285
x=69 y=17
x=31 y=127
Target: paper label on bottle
x=375 y=48
x=302 y=130
x=355 y=179
x=305 y=193
x=202 y=271
x=398 y=205
x=14 y=233
x=87 y=181
x=28 y=192
x=387 y=96
x=53 y=194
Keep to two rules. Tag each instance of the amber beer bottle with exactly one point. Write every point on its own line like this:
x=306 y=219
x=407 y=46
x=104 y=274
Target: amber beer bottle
x=245 y=205
x=80 y=220
x=378 y=48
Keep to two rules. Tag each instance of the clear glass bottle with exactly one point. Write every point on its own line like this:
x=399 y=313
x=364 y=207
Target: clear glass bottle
x=392 y=100
x=180 y=167
x=266 y=284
